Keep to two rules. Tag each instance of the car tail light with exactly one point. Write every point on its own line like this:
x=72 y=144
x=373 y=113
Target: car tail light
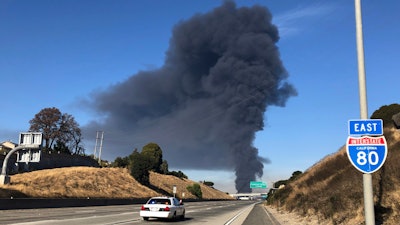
x=167 y=209
x=143 y=208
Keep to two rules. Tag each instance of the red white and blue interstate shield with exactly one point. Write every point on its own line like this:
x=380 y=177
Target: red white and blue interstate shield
x=367 y=154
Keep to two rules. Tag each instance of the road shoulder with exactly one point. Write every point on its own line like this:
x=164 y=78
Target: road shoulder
x=288 y=218
x=260 y=216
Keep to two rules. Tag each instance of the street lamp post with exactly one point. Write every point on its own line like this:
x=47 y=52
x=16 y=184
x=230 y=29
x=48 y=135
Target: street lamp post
x=367 y=177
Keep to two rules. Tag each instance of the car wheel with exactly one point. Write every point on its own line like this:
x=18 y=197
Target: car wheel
x=183 y=216
x=146 y=218
x=174 y=216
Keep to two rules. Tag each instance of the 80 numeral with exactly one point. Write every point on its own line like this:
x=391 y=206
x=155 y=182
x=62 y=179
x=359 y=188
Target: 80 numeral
x=363 y=158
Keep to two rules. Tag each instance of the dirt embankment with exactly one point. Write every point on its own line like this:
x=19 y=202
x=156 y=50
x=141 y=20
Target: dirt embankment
x=90 y=182
x=332 y=189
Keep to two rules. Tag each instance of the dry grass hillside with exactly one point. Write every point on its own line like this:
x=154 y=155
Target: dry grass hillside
x=332 y=189
x=83 y=182
x=166 y=182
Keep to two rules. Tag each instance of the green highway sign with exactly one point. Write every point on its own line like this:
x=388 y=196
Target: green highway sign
x=257 y=184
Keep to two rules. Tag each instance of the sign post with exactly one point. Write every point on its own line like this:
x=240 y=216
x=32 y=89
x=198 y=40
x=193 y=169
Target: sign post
x=174 y=190
x=367 y=154
x=367 y=177
x=26 y=141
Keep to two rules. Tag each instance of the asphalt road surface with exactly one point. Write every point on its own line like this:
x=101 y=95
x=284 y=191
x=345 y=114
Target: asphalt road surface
x=260 y=216
x=213 y=212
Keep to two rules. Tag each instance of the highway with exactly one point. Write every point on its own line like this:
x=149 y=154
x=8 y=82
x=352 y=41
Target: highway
x=213 y=212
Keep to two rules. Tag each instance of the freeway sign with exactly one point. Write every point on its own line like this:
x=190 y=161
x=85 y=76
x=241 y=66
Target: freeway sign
x=366 y=127
x=257 y=184
x=367 y=154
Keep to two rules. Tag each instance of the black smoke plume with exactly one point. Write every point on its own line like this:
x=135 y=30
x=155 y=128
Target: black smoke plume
x=205 y=104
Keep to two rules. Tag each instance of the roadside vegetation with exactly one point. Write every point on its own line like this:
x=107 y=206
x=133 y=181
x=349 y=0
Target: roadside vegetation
x=332 y=189
x=65 y=171
x=141 y=163
x=61 y=132
x=150 y=159
x=90 y=182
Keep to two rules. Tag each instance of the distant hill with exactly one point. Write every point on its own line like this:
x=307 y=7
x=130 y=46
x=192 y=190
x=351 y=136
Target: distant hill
x=83 y=182
x=332 y=189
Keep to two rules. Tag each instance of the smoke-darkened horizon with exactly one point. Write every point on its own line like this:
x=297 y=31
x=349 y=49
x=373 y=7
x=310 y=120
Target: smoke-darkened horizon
x=205 y=104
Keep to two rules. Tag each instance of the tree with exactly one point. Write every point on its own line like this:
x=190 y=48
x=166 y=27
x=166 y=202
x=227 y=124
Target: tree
x=153 y=153
x=139 y=167
x=61 y=147
x=121 y=162
x=57 y=127
x=164 y=167
x=71 y=133
x=295 y=175
x=386 y=113
x=208 y=183
x=279 y=183
x=149 y=159
x=179 y=174
x=47 y=122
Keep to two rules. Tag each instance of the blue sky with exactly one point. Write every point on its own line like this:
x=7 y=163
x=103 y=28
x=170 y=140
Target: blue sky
x=55 y=53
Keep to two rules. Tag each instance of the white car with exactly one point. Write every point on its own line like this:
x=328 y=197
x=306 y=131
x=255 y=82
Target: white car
x=163 y=207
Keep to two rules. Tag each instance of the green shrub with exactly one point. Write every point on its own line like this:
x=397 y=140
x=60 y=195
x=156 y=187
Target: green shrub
x=208 y=183
x=195 y=190
x=178 y=174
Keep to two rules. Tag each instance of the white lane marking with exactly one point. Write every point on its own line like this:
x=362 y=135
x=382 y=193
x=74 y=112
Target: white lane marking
x=37 y=222
x=237 y=215
x=71 y=220
x=269 y=216
x=86 y=211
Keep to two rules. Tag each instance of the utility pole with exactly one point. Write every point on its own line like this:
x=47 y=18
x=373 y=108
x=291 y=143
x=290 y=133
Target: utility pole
x=98 y=137
x=95 y=146
x=101 y=146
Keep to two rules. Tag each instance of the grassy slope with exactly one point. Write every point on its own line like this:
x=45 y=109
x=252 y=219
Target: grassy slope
x=332 y=189
x=83 y=182
x=166 y=182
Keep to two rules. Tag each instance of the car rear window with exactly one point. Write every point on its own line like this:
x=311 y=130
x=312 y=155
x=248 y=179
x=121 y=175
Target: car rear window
x=159 y=201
